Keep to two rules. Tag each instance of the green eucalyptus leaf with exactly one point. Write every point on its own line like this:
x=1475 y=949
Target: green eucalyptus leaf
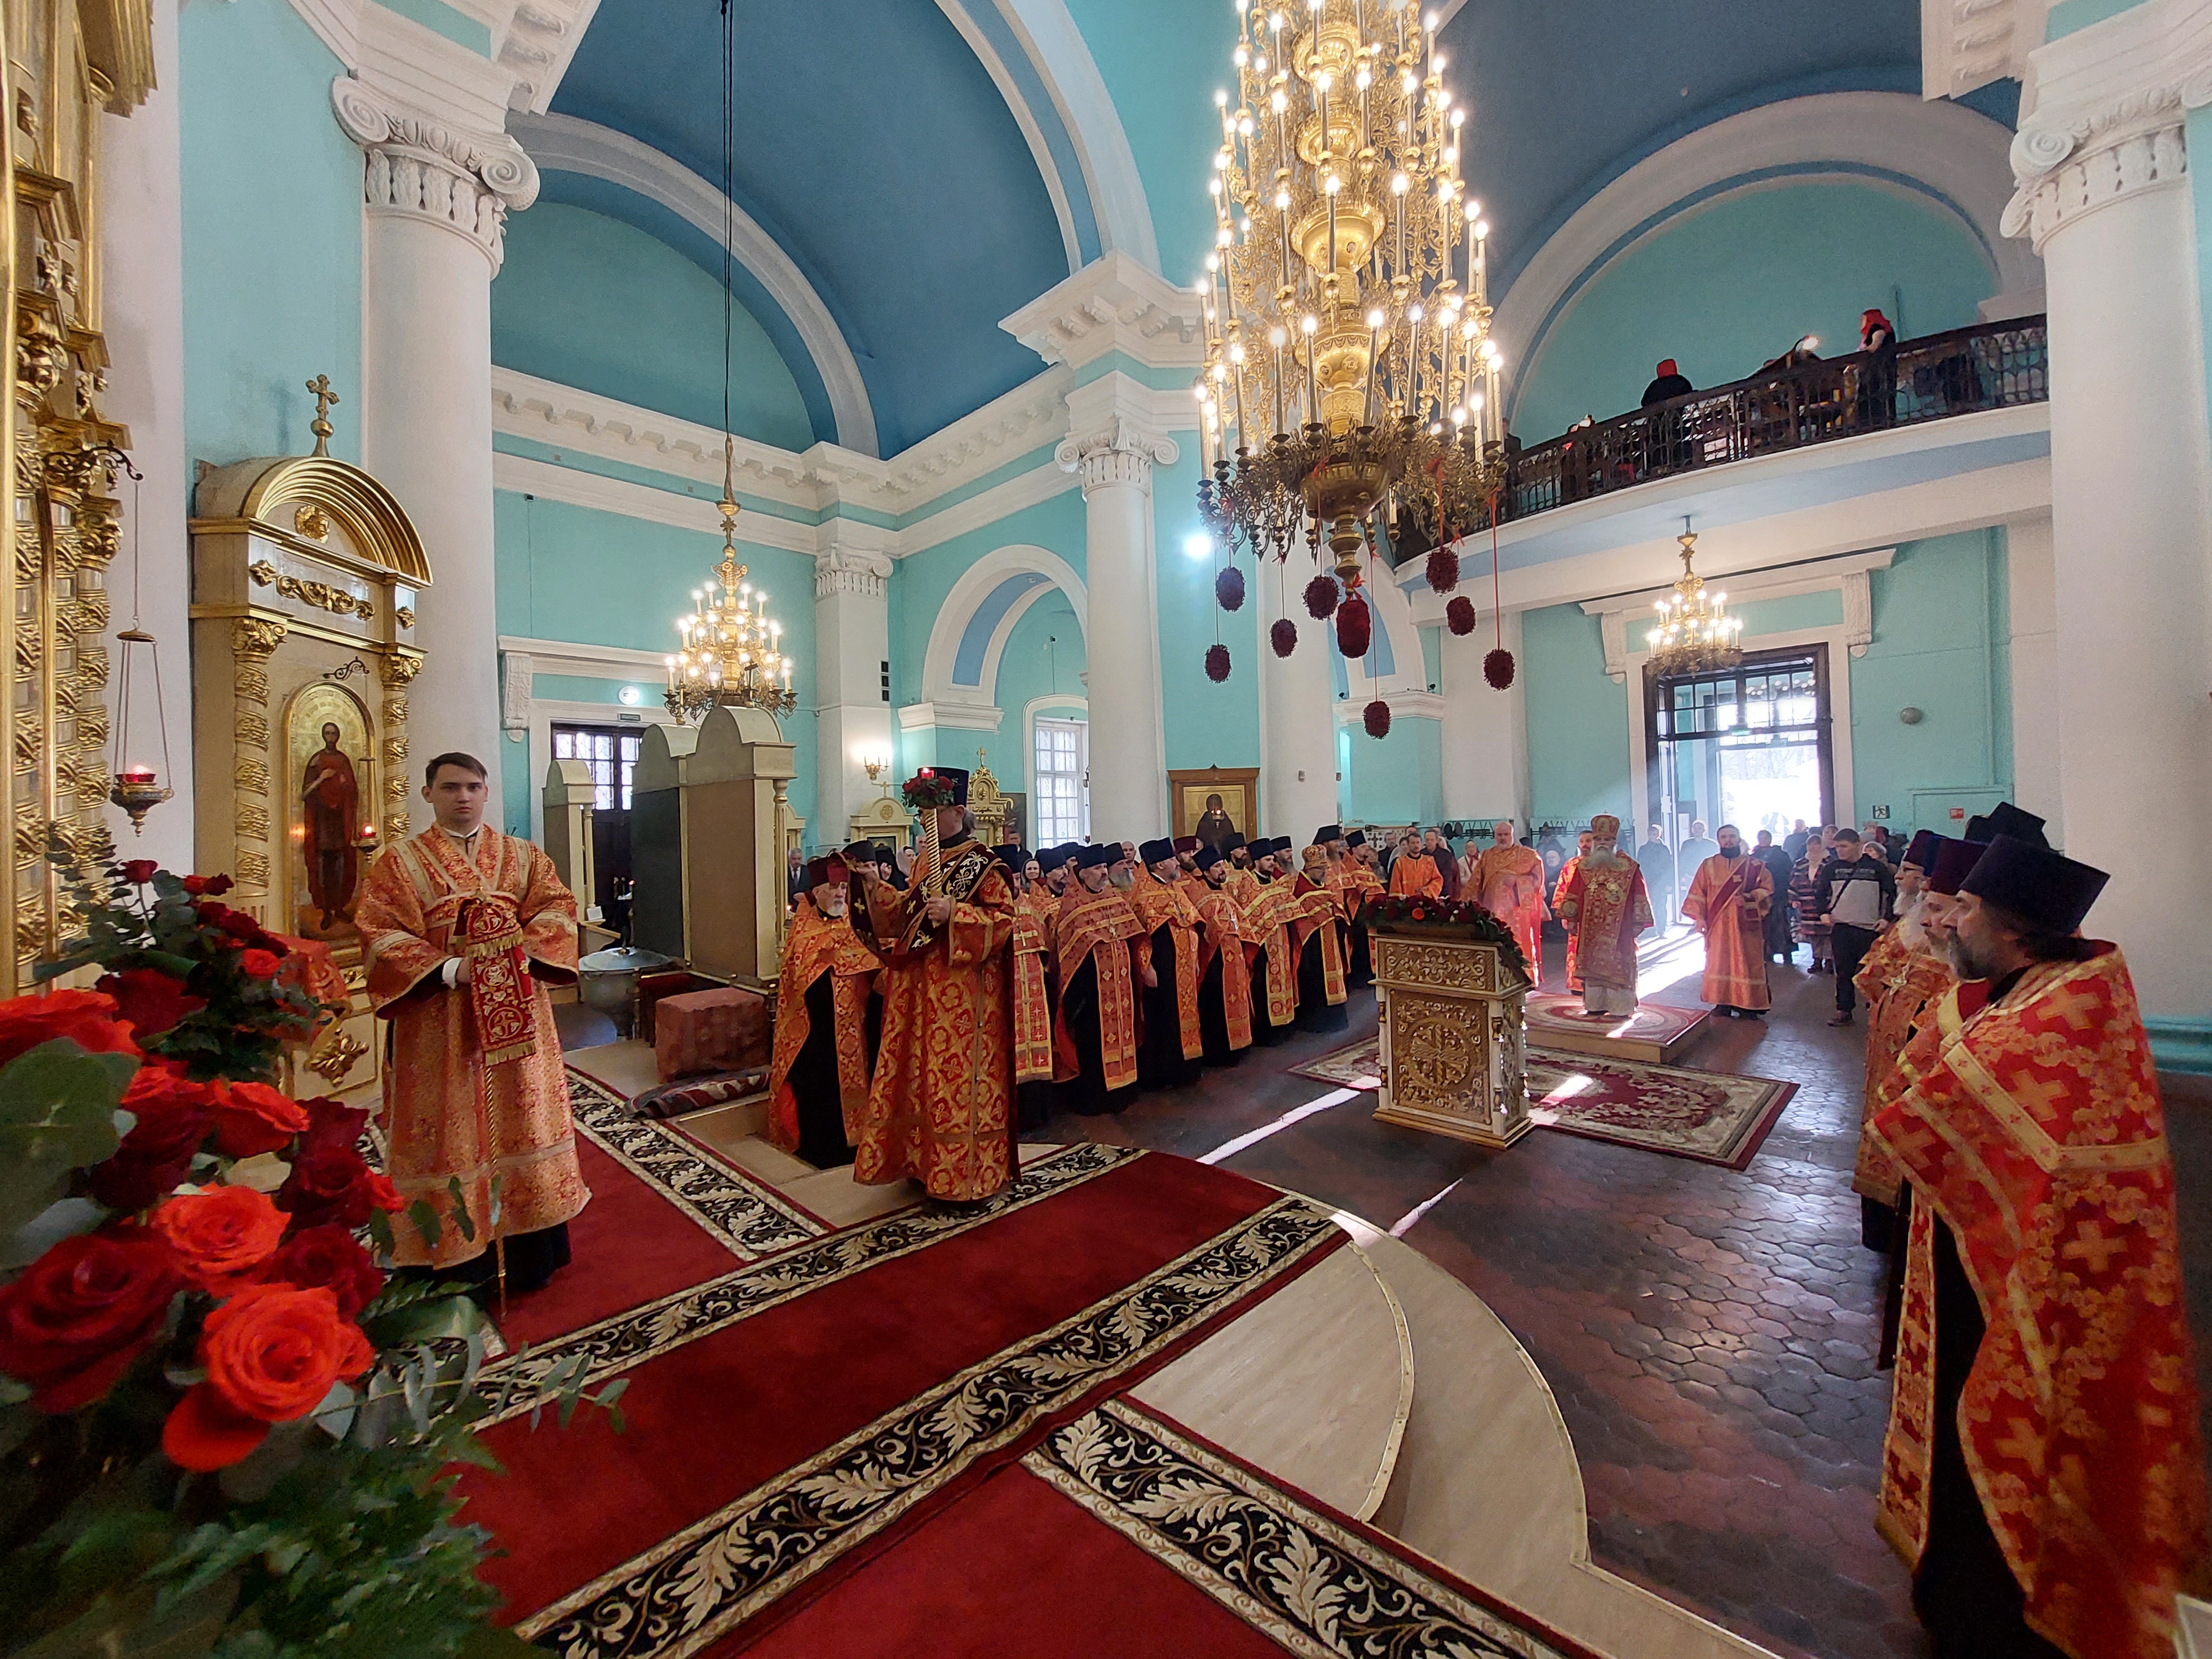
x=424 y=1321
x=57 y=1115
x=425 y=1215
x=462 y=1218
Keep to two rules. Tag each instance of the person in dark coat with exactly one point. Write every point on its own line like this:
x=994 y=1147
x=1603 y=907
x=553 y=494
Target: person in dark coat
x=1669 y=382
x=1780 y=943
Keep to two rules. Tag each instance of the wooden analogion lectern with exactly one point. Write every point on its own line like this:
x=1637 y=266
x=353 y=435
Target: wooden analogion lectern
x=1450 y=1007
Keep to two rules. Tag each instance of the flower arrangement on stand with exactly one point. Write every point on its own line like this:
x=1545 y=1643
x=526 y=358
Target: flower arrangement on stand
x=224 y=1428
x=1463 y=916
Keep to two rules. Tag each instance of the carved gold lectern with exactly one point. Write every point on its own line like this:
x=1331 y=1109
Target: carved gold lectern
x=305 y=574
x=1450 y=1035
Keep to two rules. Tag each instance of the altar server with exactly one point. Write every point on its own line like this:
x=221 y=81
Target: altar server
x=1727 y=900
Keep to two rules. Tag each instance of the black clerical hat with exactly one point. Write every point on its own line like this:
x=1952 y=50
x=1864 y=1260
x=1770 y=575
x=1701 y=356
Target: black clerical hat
x=1328 y=833
x=2006 y=819
x=1208 y=857
x=1357 y=838
x=1097 y=857
x=2050 y=892
x=1157 y=852
x=1237 y=841
x=860 y=852
x=1952 y=861
x=1921 y=855
x=1012 y=857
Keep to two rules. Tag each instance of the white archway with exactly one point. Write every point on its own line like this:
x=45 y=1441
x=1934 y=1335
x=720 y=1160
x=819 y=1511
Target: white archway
x=1943 y=153
x=975 y=585
x=1056 y=48
x=562 y=143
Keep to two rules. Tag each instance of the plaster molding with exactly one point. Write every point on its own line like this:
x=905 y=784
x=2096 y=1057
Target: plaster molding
x=1612 y=630
x=951 y=716
x=974 y=584
x=1057 y=51
x=411 y=64
x=1113 y=304
x=1848 y=574
x=956 y=13
x=844 y=567
x=516 y=669
x=1114 y=438
x=1958 y=155
x=418 y=166
x=582 y=661
x=537 y=45
x=1027 y=489
x=1858 y=610
x=1404 y=706
x=561 y=143
x=1966 y=44
x=522 y=475
x=2109 y=103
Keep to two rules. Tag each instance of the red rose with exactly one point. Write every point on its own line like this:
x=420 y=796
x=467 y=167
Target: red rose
x=83 y=1311
x=331 y=1259
x=271 y=1354
x=151 y=1000
x=220 y=1233
x=331 y=1122
x=156 y=1156
x=258 y=964
x=87 y=1018
x=139 y=871
x=196 y=885
x=330 y=1186
x=252 y=1117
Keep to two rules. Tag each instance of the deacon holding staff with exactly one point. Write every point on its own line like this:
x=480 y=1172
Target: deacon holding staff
x=465 y=929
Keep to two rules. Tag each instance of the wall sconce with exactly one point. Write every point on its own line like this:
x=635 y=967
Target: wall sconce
x=876 y=764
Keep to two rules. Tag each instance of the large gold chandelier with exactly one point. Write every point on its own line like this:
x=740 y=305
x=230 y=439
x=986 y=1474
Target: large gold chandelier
x=731 y=652
x=1347 y=317
x=1695 y=634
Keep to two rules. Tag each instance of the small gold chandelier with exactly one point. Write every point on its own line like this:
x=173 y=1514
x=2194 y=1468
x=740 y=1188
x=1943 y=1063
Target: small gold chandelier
x=1695 y=635
x=731 y=652
x=1346 y=305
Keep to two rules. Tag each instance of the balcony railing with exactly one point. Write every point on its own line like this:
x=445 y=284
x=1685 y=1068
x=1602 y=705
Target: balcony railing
x=1989 y=365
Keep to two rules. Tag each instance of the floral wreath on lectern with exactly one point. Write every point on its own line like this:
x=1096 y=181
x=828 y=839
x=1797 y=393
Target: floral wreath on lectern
x=926 y=789
x=1423 y=909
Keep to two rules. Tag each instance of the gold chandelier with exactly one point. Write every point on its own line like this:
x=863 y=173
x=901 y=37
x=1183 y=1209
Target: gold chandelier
x=1695 y=635
x=1347 y=316
x=731 y=652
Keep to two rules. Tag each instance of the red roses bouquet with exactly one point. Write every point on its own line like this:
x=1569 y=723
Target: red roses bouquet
x=1464 y=917
x=222 y=1428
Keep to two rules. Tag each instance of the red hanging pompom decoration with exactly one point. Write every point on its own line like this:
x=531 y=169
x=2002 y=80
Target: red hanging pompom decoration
x=1376 y=717
x=1444 y=569
x=1229 y=588
x=1284 y=636
x=1217 y=663
x=1321 y=598
x=1459 y=616
x=1498 y=668
x=1355 y=624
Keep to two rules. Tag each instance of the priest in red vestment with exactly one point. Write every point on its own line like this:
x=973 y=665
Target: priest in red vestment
x=2042 y=1473
x=1729 y=896
x=1224 y=979
x=827 y=1015
x=1103 y=954
x=941 y=1104
x=1605 y=907
x=1317 y=940
x=1559 y=894
x=1509 y=882
x=465 y=929
x=1172 y=1044
x=1264 y=915
x=1036 y=905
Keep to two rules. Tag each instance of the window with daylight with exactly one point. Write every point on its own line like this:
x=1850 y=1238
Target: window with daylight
x=611 y=755
x=1058 y=779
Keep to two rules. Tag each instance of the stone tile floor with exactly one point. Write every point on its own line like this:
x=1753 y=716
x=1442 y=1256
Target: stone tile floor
x=1710 y=1335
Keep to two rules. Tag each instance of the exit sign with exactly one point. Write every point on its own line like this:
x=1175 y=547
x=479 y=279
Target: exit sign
x=1880 y=813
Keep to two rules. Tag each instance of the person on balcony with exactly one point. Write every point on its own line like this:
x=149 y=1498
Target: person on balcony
x=1668 y=381
x=1875 y=333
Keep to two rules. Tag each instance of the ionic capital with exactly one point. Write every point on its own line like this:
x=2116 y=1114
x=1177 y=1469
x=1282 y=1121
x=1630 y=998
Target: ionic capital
x=417 y=166
x=1119 y=454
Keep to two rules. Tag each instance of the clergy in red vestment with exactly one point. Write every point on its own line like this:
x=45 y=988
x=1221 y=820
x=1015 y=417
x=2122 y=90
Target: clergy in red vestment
x=1317 y=940
x=1559 y=894
x=1171 y=1045
x=1509 y=882
x=1264 y=915
x=2042 y=1473
x=827 y=1016
x=465 y=929
x=1103 y=954
x=1413 y=874
x=1727 y=901
x=941 y=1104
x=1604 y=905
x=1035 y=906
x=1224 y=979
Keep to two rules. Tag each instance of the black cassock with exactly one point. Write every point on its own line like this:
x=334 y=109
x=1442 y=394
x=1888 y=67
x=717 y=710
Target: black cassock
x=814 y=1074
x=1160 y=1064
x=1316 y=1012
x=1261 y=1032
x=1086 y=1092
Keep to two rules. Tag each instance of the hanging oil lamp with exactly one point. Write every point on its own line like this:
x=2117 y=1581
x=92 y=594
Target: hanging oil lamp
x=138 y=787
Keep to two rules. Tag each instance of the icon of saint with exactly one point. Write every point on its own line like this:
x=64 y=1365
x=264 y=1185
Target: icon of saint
x=1215 y=826
x=331 y=798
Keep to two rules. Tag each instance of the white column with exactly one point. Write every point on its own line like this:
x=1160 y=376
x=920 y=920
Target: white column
x=437 y=198
x=852 y=717
x=1114 y=450
x=1298 y=724
x=2039 y=690
x=2103 y=194
x=1486 y=732
x=143 y=298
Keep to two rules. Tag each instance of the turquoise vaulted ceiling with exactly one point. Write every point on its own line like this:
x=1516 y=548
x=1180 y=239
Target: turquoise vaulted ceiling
x=873 y=145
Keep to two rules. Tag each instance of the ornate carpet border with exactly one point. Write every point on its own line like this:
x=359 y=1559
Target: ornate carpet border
x=627 y=1340
x=1308 y=1582
x=745 y=1216
x=696 y=1587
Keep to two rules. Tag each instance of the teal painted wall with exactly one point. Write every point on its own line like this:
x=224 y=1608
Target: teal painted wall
x=1577 y=719
x=1398 y=779
x=461 y=29
x=2069 y=15
x=1165 y=101
x=591 y=578
x=1725 y=286
x=272 y=235
x=1043 y=657
x=1205 y=725
x=591 y=303
x=1941 y=644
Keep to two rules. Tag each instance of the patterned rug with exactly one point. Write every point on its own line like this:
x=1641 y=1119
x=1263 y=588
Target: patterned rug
x=1714 y=1117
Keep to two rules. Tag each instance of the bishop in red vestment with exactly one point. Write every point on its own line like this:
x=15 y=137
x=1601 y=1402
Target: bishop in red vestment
x=1605 y=907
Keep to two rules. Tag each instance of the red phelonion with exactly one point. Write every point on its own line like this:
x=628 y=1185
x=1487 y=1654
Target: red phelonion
x=1376 y=717
x=1444 y=569
x=1459 y=616
x=1284 y=636
x=1498 y=669
x=1355 y=626
x=1229 y=588
x=1321 y=598
x=1217 y=663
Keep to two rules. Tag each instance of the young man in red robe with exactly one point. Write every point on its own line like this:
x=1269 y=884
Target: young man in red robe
x=2042 y=1474
x=1224 y=981
x=941 y=1104
x=1103 y=954
x=827 y=1019
x=1728 y=898
x=1170 y=1049
x=465 y=929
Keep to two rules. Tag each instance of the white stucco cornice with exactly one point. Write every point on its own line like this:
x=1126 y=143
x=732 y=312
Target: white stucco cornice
x=590 y=662
x=1113 y=304
x=1062 y=60
x=406 y=63
x=537 y=40
x=1960 y=157
x=1966 y=44
x=562 y=143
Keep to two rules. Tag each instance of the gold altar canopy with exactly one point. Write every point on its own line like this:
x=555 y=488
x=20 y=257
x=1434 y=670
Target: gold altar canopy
x=306 y=575
x=66 y=62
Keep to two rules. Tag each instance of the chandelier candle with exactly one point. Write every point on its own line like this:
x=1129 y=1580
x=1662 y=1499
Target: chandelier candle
x=1339 y=218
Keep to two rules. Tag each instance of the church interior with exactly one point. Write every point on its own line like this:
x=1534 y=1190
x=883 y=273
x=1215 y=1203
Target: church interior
x=1655 y=1106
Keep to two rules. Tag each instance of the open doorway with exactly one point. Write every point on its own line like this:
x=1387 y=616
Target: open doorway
x=611 y=754
x=1749 y=745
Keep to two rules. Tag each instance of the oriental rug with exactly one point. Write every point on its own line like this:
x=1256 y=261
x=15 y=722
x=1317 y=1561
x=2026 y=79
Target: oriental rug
x=1712 y=1117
